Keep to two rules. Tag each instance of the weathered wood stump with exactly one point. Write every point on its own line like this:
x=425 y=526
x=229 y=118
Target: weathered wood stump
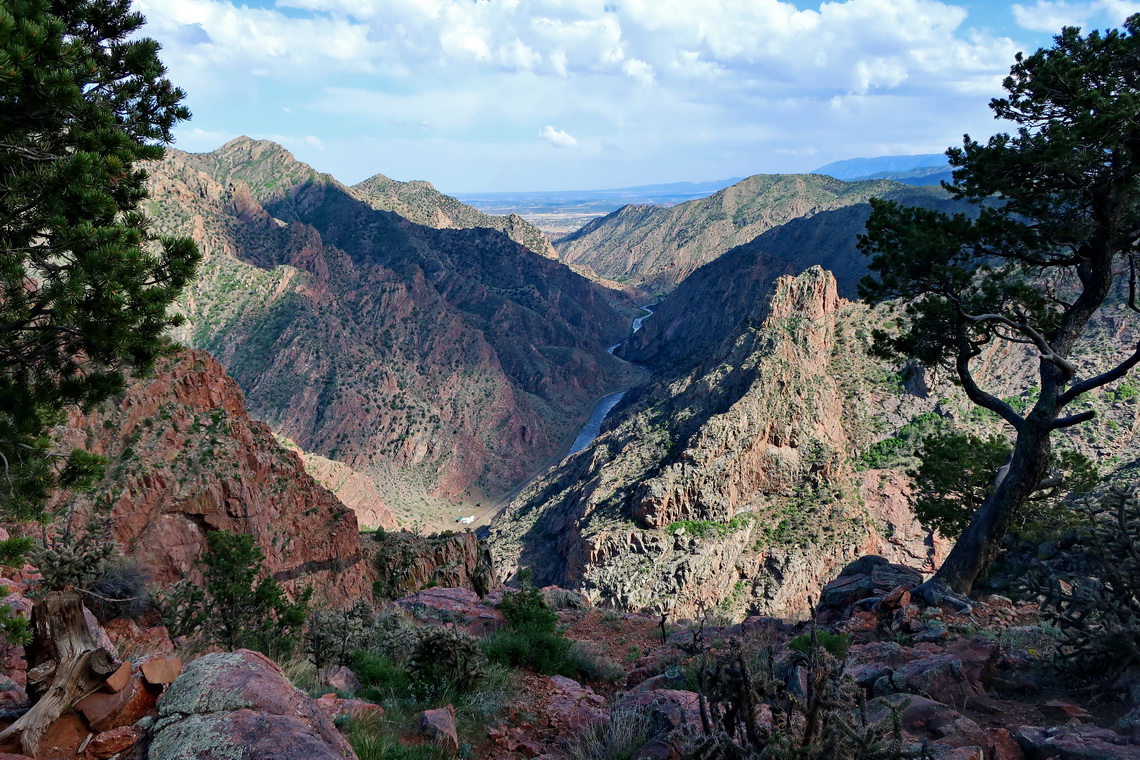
x=64 y=665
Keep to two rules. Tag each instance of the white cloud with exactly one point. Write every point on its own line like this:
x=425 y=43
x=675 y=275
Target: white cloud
x=734 y=78
x=1049 y=16
x=557 y=137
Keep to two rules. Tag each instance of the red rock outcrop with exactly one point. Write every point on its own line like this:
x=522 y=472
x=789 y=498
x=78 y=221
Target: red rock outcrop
x=184 y=458
x=406 y=562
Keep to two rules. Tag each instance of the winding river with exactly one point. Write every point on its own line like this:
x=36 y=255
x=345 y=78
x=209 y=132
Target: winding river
x=593 y=426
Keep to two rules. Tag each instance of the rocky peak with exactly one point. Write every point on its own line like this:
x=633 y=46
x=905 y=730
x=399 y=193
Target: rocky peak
x=728 y=485
x=184 y=458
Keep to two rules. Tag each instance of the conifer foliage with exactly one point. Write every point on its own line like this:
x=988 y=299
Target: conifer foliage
x=84 y=285
x=1054 y=236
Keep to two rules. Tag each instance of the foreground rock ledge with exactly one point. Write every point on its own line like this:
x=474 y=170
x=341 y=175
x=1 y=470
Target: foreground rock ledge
x=240 y=699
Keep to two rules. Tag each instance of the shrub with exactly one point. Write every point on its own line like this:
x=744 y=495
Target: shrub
x=447 y=659
x=332 y=636
x=827 y=721
x=626 y=732
x=118 y=591
x=1098 y=615
x=380 y=677
x=835 y=644
x=237 y=610
x=529 y=646
x=593 y=664
x=530 y=637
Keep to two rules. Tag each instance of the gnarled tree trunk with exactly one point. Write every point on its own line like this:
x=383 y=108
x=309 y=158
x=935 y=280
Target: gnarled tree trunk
x=979 y=543
x=64 y=665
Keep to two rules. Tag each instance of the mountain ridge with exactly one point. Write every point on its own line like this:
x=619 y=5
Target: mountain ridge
x=656 y=248
x=442 y=363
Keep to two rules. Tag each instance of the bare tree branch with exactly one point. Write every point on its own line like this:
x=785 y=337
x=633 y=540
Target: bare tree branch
x=1117 y=372
x=1035 y=337
x=980 y=397
x=1075 y=419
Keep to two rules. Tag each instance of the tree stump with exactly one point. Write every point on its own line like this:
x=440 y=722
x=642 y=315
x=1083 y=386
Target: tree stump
x=64 y=666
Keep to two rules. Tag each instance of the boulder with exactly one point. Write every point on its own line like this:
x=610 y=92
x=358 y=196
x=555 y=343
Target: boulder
x=160 y=669
x=672 y=709
x=939 y=677
x=104 y=711
x=453 y=605
x=110 y=743
x=439 y=726
x=574 y=706
x=933 y=720
x=336 y=707
x=1075 y=743
x=240 y=699
x=1002 y=745
x=342 y=679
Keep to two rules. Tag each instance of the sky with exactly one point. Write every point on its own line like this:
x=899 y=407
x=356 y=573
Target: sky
x=518 y=95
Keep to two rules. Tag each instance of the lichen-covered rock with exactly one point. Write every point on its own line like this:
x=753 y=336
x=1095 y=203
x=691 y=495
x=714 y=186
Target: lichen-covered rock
x=227 y=700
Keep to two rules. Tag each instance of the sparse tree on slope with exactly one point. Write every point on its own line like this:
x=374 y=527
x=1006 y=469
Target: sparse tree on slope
x=1055 y=234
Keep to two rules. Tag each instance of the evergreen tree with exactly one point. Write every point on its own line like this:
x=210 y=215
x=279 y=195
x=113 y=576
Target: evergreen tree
x=1055 y=234
x=84 y=286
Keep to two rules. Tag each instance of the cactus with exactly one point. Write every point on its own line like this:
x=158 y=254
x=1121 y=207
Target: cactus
x=447 y=658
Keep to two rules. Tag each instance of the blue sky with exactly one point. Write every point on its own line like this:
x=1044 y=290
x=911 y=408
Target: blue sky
x=498 y=95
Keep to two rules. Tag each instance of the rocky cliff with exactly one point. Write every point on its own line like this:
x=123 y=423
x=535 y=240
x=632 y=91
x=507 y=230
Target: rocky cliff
x=655 y=248
x=406 y=563
x=443 y=364
x=420 y=202
x=730 y=485
x=184 y=458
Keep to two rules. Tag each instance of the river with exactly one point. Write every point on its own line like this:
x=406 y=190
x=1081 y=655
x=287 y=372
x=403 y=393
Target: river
x=593 y=426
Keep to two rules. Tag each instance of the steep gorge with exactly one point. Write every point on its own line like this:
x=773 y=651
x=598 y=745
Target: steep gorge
x=444 y=364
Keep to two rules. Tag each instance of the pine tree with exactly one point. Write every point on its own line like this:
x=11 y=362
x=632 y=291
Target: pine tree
x=1054 y=235
x=84 y=285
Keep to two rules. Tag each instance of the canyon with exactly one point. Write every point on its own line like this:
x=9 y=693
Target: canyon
x=444 y=363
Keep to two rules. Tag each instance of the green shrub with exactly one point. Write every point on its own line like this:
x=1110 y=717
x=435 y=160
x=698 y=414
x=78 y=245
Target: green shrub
x=626 y=732
x=532 y=647
x=380 y=677
x=242 y=607
x=593 y=664
x=1098 y=613
x=447 y=659
x=332 y=636
x=835 y=644
x=530 y=637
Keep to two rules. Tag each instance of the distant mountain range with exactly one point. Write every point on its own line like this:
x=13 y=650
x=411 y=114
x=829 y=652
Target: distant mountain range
x=923 y=169
x=655 y=248
x=592 y=201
